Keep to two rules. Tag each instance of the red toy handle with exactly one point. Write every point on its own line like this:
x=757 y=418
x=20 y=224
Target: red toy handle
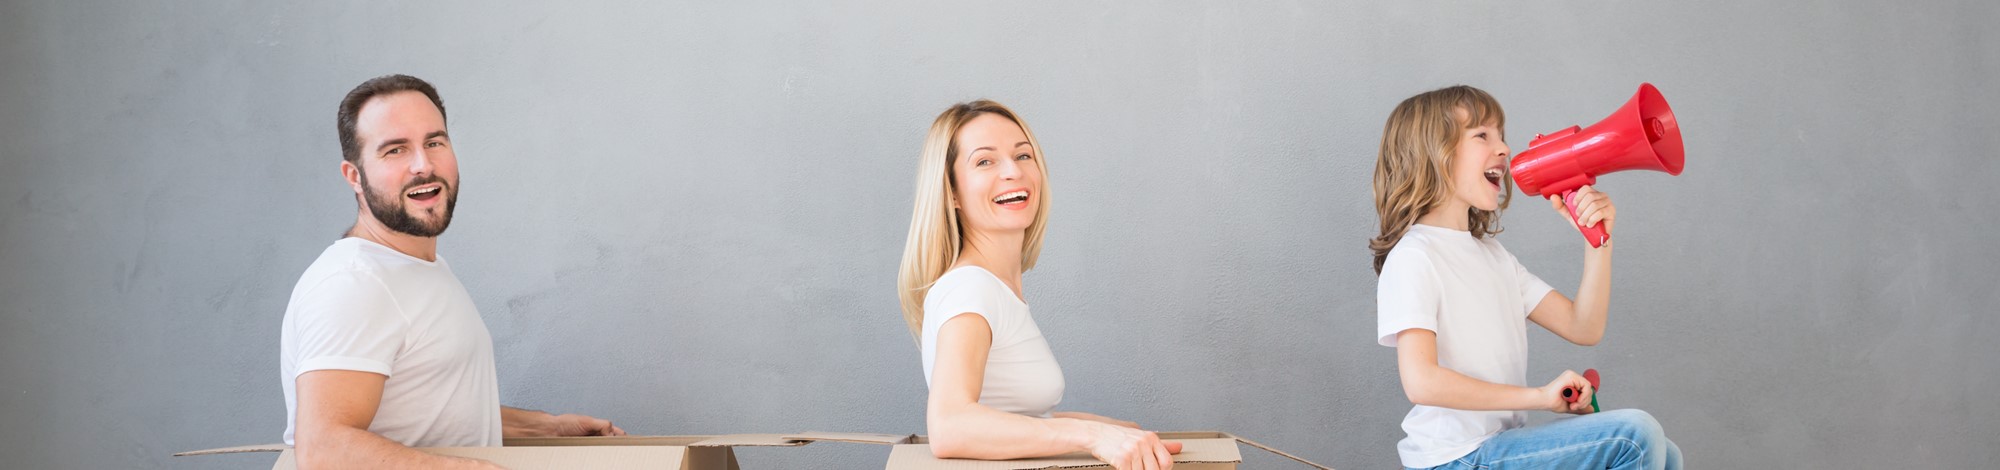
x=1589 y=375
x=1594 y=234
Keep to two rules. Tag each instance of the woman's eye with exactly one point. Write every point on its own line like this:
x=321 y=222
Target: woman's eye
x=1022 y=157
x=984 y=162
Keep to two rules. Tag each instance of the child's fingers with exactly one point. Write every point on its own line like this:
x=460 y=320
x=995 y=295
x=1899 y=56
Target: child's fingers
x=1561 y=208
x=1594 y=208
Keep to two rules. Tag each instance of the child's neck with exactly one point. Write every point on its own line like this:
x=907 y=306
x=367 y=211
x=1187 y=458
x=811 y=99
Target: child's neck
x=1452 y=216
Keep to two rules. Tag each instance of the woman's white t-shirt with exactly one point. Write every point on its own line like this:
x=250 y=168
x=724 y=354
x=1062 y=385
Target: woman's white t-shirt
x=1476 y=297
x=1022 y=376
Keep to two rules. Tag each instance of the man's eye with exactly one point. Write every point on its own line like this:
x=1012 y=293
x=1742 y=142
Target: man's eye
x=434 y=144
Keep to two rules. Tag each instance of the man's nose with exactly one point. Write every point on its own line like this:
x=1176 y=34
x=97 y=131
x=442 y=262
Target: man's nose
x=421 y=165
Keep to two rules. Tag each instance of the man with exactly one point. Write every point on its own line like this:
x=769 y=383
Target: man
x=382 y=349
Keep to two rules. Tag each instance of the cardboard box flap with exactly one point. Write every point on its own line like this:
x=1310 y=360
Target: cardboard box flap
x=727 y=440
x=602 y=441
x=918 y=456
x=855 y=437
x=238 y=450
x=740 y=440
x=1282 y=453
x=1182 y=435
x=620 y=458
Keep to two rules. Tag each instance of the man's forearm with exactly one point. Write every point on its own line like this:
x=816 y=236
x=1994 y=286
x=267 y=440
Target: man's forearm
x=345 y=447
x=517 y=422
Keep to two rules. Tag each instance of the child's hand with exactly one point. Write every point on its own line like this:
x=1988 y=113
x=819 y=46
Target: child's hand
x=1592 y=207
x=1569 y=380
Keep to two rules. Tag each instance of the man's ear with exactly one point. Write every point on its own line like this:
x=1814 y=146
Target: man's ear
x=352 y=174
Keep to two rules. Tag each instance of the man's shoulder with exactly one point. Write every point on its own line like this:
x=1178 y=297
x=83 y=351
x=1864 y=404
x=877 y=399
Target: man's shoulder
x=342 y=270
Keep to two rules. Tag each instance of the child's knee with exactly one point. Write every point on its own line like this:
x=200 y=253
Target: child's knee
x=1639 y=425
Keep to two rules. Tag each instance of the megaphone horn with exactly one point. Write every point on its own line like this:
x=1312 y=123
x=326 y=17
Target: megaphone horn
x=1642 y=135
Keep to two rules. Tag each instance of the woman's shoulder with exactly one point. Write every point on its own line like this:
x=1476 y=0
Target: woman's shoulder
x=967 y=285
x=968 y=277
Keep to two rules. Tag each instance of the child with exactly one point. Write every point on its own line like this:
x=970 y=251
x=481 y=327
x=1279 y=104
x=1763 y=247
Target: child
x=1455 y=304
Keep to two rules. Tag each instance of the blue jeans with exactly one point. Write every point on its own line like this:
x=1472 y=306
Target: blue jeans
x=1617 y=439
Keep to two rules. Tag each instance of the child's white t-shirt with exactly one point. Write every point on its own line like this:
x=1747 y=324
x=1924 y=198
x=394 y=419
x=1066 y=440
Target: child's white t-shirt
x=366 y=307
x=1476 y=297
x=1022 y=376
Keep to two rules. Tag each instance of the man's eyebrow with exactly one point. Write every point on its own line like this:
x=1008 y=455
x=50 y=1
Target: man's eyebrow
x=390 y=143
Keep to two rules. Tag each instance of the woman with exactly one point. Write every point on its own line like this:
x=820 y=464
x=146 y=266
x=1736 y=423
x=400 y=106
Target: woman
x=981 y=207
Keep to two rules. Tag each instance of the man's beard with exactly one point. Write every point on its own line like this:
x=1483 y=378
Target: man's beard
x=390 y=211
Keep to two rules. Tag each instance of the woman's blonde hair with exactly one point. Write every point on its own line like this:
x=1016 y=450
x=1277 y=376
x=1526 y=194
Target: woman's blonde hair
x=1413 y=172
x=935 y=233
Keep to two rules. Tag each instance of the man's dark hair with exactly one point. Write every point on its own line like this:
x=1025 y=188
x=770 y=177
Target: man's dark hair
x=350 y=147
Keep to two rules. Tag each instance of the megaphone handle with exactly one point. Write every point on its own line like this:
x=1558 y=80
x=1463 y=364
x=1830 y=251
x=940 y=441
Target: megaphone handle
x=1571 y=394
x=1594 y=234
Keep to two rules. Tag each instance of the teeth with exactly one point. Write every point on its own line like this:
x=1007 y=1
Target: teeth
x=425 y=190
x=1011 y=195
x=1493 y=173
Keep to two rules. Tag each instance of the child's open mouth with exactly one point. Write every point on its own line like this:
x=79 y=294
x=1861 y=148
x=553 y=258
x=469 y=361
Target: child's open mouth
x=1493 y=176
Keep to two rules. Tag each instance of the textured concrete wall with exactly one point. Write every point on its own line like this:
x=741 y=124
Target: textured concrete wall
x=687 y=217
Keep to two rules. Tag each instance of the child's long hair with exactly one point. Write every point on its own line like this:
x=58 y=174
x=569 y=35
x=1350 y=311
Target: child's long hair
x=935 y=233
x=1413 y=172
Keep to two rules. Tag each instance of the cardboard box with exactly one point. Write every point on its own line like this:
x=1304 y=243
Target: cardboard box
x=1201 y=450
x=611 y=453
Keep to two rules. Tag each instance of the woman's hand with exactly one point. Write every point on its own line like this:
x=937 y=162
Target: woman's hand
x=1130 y=448
x=1568 y=380
x=1592 y=207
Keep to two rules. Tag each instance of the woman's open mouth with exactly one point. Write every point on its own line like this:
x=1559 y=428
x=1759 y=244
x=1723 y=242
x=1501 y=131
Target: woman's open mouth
x=1012 y=198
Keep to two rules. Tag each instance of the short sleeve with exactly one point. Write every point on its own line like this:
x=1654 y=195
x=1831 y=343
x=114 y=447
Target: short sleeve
x=1407 y=295
x=955 y=296
x=1532 y=288
x=349 y=322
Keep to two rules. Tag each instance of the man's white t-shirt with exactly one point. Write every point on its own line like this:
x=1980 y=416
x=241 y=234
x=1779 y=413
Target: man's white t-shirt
x=1476 y=297
x=1022 y=376
x=366 y=307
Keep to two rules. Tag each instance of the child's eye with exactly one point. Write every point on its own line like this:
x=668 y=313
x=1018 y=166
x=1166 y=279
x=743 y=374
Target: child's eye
x=1481 y=136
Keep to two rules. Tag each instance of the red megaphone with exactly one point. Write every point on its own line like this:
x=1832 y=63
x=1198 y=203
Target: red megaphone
x=1642 y=135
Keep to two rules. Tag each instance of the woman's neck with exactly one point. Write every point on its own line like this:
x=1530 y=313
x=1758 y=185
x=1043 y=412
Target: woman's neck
x=999 y=254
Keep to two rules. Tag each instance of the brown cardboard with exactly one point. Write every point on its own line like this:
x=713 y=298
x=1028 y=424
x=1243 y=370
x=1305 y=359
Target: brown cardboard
x=1201 y=450
x=622 y=452
x=1196 y=454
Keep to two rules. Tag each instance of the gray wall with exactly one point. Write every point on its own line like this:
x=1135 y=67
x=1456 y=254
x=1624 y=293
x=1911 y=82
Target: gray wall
x=687 y=218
